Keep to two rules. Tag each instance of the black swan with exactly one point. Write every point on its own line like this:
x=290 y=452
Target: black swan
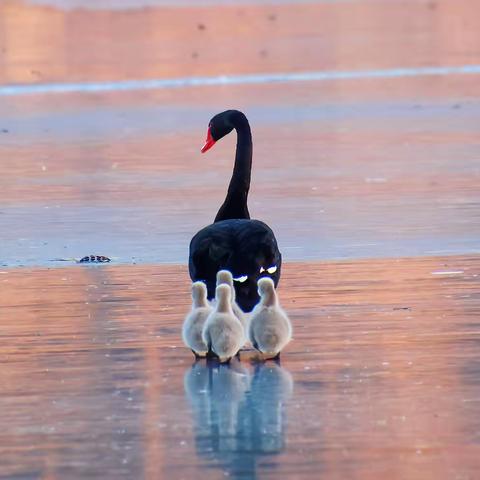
x=245 y=247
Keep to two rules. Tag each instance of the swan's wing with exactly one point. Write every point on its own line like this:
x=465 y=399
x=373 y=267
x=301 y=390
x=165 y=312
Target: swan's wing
x=210 y=251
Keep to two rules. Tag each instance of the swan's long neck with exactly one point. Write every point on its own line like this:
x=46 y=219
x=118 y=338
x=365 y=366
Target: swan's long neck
x=235 y=204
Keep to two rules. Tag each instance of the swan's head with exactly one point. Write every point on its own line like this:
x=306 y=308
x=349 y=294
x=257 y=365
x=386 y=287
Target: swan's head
x=220 y=125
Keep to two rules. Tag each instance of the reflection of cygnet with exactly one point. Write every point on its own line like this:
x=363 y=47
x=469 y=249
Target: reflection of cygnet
x=228 y=389
x=216 y=393
x=239 y=421
x=270 y=388
x=270 y=329
x=195 y=320
x=225 y=277
x=223 y=333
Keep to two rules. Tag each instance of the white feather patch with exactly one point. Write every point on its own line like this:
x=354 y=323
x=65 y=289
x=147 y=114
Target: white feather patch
x=241 y=279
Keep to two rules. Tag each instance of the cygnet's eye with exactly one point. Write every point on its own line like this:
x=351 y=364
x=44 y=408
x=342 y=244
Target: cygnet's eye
x=262 y=269
x=272 y=270
x=241 y=279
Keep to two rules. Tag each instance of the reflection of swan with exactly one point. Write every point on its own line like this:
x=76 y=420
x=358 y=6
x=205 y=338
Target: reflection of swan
x=238 y=418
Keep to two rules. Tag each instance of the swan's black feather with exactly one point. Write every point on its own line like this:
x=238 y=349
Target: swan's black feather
x=241 y=246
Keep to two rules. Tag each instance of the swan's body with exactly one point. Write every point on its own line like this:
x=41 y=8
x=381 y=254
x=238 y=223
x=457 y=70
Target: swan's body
x=223 y=333
x=245 y=247
x=195 y=320
x=270 y=328
x=225 y=277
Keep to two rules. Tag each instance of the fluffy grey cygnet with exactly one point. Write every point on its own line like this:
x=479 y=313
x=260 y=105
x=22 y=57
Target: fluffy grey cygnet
x=223 y=333
x=225 y=277
x=270 y=328
x=195 y=320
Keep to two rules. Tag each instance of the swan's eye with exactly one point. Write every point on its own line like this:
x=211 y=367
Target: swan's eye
x=241 y=279
x=262 y=269
x=272 y=270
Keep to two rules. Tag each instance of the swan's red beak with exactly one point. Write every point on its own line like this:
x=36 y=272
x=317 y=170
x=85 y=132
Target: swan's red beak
x=209 y=142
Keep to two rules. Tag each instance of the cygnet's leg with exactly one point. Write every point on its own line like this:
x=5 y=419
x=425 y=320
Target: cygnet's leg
x=210 y=354
x=212 y=358
x=276 y=358
x=197 y=356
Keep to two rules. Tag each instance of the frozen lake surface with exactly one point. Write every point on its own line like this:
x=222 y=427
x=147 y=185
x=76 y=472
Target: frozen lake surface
x=382 y=377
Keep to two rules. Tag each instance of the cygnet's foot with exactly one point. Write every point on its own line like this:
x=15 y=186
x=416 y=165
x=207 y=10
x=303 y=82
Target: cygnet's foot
x=199 y=356
x=276 y=358
x=212 y=360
